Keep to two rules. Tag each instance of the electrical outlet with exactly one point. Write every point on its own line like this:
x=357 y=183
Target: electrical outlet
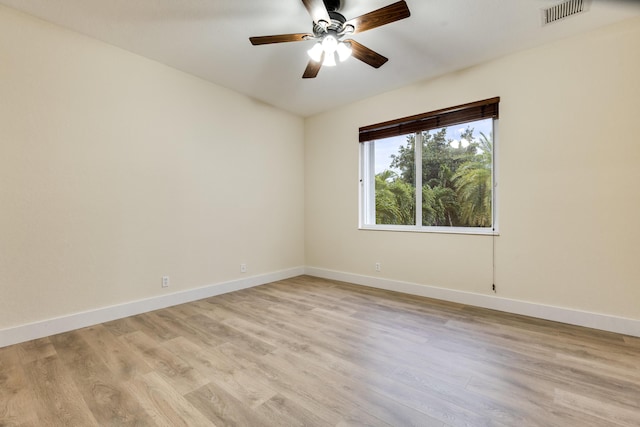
x=243 y=268
x=378 y=266
x=165 y=281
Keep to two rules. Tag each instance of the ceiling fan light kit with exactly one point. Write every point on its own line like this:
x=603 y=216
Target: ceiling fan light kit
x=330 y=31
x=327 y=49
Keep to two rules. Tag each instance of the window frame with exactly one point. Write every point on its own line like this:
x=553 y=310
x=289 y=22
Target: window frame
x=366 y=217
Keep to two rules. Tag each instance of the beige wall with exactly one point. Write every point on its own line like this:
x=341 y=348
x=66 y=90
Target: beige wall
x=116 y=170
x=569 y=168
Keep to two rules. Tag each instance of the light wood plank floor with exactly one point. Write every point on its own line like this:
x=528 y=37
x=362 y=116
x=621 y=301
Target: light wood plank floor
x=312 y=352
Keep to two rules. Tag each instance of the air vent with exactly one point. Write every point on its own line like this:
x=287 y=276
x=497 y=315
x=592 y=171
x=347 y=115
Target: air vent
x=563 y=10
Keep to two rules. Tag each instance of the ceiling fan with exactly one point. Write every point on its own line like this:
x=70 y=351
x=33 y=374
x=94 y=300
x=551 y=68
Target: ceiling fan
x=330 y=31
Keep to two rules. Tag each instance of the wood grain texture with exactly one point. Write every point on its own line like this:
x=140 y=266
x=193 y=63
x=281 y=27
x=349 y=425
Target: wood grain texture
x=367 y=55
x=383 y=16
x=317 y=10
x=280 y=38
x=313 y=68
x=313 y=352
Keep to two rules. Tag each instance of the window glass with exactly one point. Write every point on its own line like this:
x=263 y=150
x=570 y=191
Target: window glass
x=395 y=194
x=457 y=165
x=456 y=177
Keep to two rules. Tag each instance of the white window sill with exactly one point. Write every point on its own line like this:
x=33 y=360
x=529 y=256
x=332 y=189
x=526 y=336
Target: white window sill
x=442 y=230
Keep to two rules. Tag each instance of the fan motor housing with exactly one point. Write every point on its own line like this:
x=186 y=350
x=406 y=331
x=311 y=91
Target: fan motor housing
x=332 y=5
x=336 y=25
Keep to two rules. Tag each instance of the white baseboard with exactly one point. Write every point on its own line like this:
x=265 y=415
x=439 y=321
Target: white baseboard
x=558 y=314
x=59 y=325
x=71 y=322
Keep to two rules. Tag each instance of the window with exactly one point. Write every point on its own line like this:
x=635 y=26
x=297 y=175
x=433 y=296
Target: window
x=456 y=174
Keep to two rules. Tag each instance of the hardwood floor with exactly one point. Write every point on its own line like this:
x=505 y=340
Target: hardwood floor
x=313 y=352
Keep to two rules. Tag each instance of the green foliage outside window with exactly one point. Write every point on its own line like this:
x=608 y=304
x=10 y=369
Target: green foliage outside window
x=456 y=182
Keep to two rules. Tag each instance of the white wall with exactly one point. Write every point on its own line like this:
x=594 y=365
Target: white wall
x=116 y=170
x=569 y=156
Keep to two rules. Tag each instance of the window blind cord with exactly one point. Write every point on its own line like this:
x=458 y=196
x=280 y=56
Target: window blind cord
x=493 y=259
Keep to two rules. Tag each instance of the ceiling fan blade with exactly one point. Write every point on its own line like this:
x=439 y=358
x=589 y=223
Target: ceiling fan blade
x=317 y=10
x=281 y=38
x=366 y=55
x=386 y=15
x=312 y=69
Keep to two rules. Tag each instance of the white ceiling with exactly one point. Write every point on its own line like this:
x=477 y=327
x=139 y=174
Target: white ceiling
x=210 y=39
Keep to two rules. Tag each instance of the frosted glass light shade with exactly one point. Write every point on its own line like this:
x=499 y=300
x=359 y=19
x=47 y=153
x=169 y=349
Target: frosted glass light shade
x=344 y=51
x=329 y=44
x=315 y=53
x=329 y=59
